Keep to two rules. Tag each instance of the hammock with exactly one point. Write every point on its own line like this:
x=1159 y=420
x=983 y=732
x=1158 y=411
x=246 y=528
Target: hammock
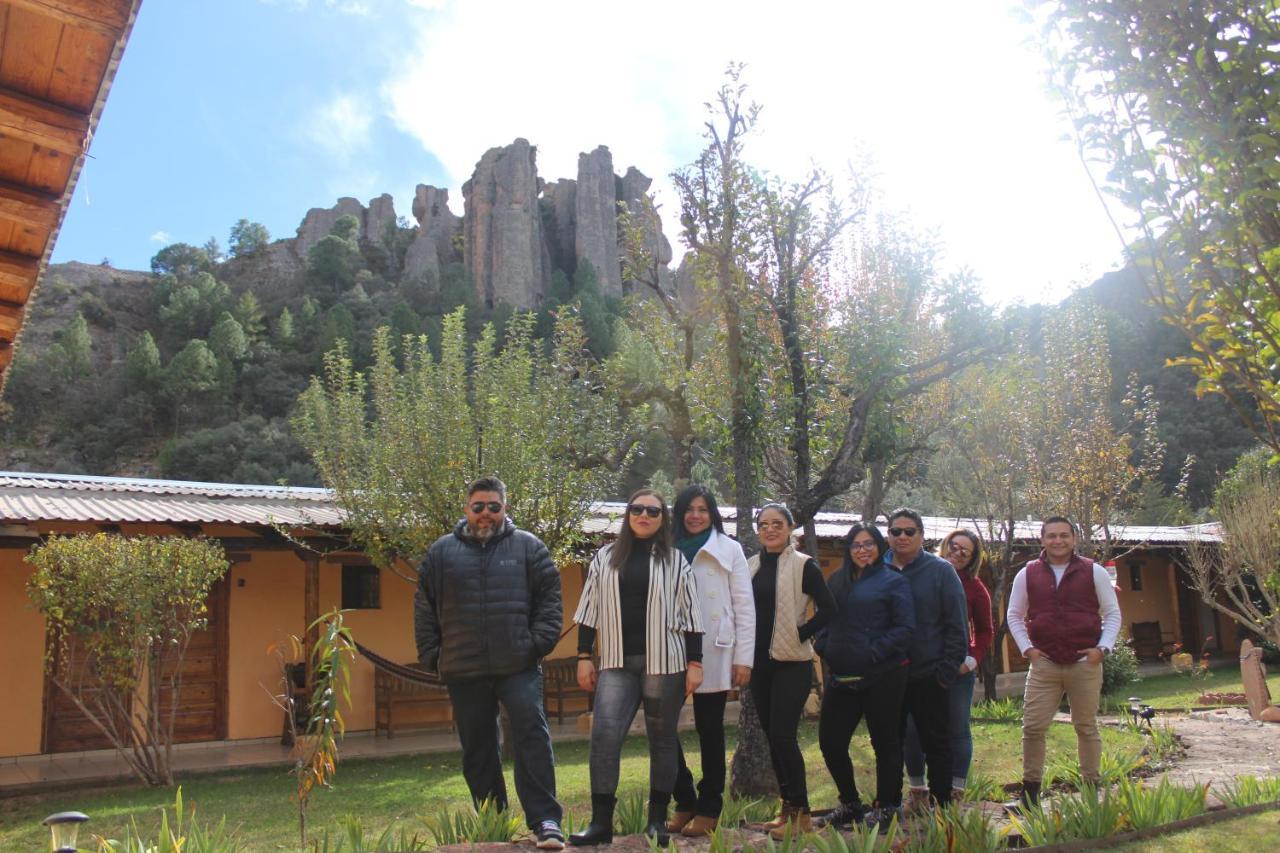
x=410 y=673
x=399 y=670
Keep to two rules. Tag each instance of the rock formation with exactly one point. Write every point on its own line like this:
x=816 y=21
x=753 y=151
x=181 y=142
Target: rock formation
x=631 y=191
x=504 y=248
x=560 y=219
x=432 y=246
x=319 y=221
x=596 y=233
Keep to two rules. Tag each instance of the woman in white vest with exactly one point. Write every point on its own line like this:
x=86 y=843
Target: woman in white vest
x=784 y=583
x=728 y=649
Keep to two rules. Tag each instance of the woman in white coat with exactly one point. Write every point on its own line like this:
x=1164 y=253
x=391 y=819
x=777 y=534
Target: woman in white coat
x=728 y=649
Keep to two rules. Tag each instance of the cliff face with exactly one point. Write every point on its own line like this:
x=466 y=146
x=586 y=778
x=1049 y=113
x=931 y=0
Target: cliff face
x=503 y=248
x=516 y=230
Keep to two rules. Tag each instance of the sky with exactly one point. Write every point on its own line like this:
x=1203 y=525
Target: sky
x=262 y=109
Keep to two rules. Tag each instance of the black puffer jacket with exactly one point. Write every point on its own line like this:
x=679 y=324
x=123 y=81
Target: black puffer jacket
x=486 y=609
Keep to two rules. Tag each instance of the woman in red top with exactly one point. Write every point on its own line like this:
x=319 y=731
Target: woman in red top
x=962 y=549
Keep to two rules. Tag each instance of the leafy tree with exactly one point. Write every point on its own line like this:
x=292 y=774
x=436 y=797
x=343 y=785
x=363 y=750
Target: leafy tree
x=284 y=332
x=336 y=258
x=1241 y=577
x=1178 y=102
x=252 y=450
x=227 y=339
x=248 y=313
x=213 y=249
x=716 y=195
x=248 y=238
x=192 y=373
x=192 y=306
x=180 y=260
x=120 y=613
x=72 y=355
x=142 y=366
x=399 y=444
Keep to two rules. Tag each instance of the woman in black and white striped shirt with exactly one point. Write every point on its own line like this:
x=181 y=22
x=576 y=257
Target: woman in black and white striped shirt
x=640 y=602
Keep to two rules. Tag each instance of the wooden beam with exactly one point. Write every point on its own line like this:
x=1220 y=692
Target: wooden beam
x=17 y=271
x=311 y=608
x=104 y=16
x=10 y=320
x=28 y=207
x=42 y=123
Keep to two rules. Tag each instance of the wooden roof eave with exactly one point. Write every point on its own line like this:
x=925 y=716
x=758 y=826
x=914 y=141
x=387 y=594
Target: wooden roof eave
x=59 y=60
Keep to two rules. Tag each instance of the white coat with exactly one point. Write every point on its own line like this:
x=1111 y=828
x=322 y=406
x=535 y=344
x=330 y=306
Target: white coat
x=728 y=611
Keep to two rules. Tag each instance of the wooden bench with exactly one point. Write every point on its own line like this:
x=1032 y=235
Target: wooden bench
x=400 y=704
x=560 y=689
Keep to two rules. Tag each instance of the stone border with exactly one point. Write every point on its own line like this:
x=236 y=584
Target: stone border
x=1209 y=818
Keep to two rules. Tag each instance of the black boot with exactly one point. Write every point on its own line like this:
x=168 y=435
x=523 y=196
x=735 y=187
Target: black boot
x=656 y=828
x=1030 y=794
x=600 y=830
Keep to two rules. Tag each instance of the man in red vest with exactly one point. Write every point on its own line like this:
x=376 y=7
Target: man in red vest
x=1064 y=616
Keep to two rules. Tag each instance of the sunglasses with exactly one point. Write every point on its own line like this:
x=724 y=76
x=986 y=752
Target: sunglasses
x=903 y=531
x=642 y=509
x=480 y=506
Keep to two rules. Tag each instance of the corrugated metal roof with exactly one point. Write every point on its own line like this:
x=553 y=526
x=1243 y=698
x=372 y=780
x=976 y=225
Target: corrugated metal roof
x=57 y=497
x=27 y=497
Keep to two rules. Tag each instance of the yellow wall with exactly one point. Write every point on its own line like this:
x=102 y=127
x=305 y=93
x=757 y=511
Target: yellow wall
x=22 y=638
x=1156 y=602
x=266 y=609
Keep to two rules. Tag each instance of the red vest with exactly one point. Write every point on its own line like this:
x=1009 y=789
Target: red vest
x=1062 y=617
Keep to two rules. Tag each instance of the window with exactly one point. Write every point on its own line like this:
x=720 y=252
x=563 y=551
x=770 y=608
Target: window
x=1135 y=576
x=361 y=588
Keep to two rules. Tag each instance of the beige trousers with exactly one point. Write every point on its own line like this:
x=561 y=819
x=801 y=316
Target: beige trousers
x=1047 y=683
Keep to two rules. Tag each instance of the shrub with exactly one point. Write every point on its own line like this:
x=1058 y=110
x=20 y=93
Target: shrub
x=487 y=823
x=183 y=835
x=1250 y=790
x=1120 y=668
x=950 y=829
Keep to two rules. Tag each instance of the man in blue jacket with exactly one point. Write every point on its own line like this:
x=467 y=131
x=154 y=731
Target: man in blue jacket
x=938 y=647
x=487 y=611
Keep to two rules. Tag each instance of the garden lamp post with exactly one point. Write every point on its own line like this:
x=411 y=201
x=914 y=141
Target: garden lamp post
x=65 y=826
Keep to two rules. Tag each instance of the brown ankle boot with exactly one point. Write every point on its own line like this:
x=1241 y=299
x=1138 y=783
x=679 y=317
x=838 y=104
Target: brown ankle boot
x=698 y=827
x=679 y=820
x=800 y=823
x=785 y=813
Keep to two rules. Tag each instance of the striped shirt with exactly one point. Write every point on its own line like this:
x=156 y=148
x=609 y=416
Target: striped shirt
x=671 y=610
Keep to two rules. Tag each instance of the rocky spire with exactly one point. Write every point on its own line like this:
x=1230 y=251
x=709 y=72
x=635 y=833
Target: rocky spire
x=503 y=247
x=596 y=233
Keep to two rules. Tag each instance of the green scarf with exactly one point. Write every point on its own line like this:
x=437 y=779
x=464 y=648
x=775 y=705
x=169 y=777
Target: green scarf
x=692 y=545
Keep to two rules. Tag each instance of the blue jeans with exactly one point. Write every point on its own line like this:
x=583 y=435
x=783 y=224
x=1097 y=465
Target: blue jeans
x=475 y=711
x=959 y=704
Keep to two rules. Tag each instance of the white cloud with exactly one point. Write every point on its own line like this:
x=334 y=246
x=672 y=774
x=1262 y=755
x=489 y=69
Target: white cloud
x=160 y=237
x=340 y=126
x=344 y=7
x=945 y=98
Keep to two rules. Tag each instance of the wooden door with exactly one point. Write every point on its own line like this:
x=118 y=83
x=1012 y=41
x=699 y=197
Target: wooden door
x=202 y=709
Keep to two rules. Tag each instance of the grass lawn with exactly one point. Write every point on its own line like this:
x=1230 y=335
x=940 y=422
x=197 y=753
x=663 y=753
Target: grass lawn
x=1180 y=691
x=1253 y=833
x=381 y=791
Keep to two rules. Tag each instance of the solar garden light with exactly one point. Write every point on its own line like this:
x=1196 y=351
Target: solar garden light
x=1139 y=710
x=65 y=826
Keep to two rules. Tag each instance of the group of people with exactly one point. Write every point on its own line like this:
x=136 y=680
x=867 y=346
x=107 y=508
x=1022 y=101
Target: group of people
x=673 y=607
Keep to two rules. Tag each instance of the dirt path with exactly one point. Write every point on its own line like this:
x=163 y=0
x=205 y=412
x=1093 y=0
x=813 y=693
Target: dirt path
x=1225 y=743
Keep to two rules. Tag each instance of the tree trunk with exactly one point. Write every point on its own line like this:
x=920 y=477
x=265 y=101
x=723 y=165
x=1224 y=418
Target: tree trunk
x=871 y=502
x=751 y=773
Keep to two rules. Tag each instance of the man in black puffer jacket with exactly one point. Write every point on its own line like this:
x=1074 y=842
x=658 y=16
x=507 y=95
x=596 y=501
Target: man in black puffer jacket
x=487 y=611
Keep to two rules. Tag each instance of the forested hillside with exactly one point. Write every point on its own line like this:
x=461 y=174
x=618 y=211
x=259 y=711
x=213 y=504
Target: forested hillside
x=190 y=371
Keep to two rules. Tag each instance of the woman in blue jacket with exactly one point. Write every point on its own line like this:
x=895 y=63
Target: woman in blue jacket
x=865 y=651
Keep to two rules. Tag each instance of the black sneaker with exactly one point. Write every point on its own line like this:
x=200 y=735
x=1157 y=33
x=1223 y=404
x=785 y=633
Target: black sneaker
x=882 y=817
x=843 y=816
x=549 y=835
